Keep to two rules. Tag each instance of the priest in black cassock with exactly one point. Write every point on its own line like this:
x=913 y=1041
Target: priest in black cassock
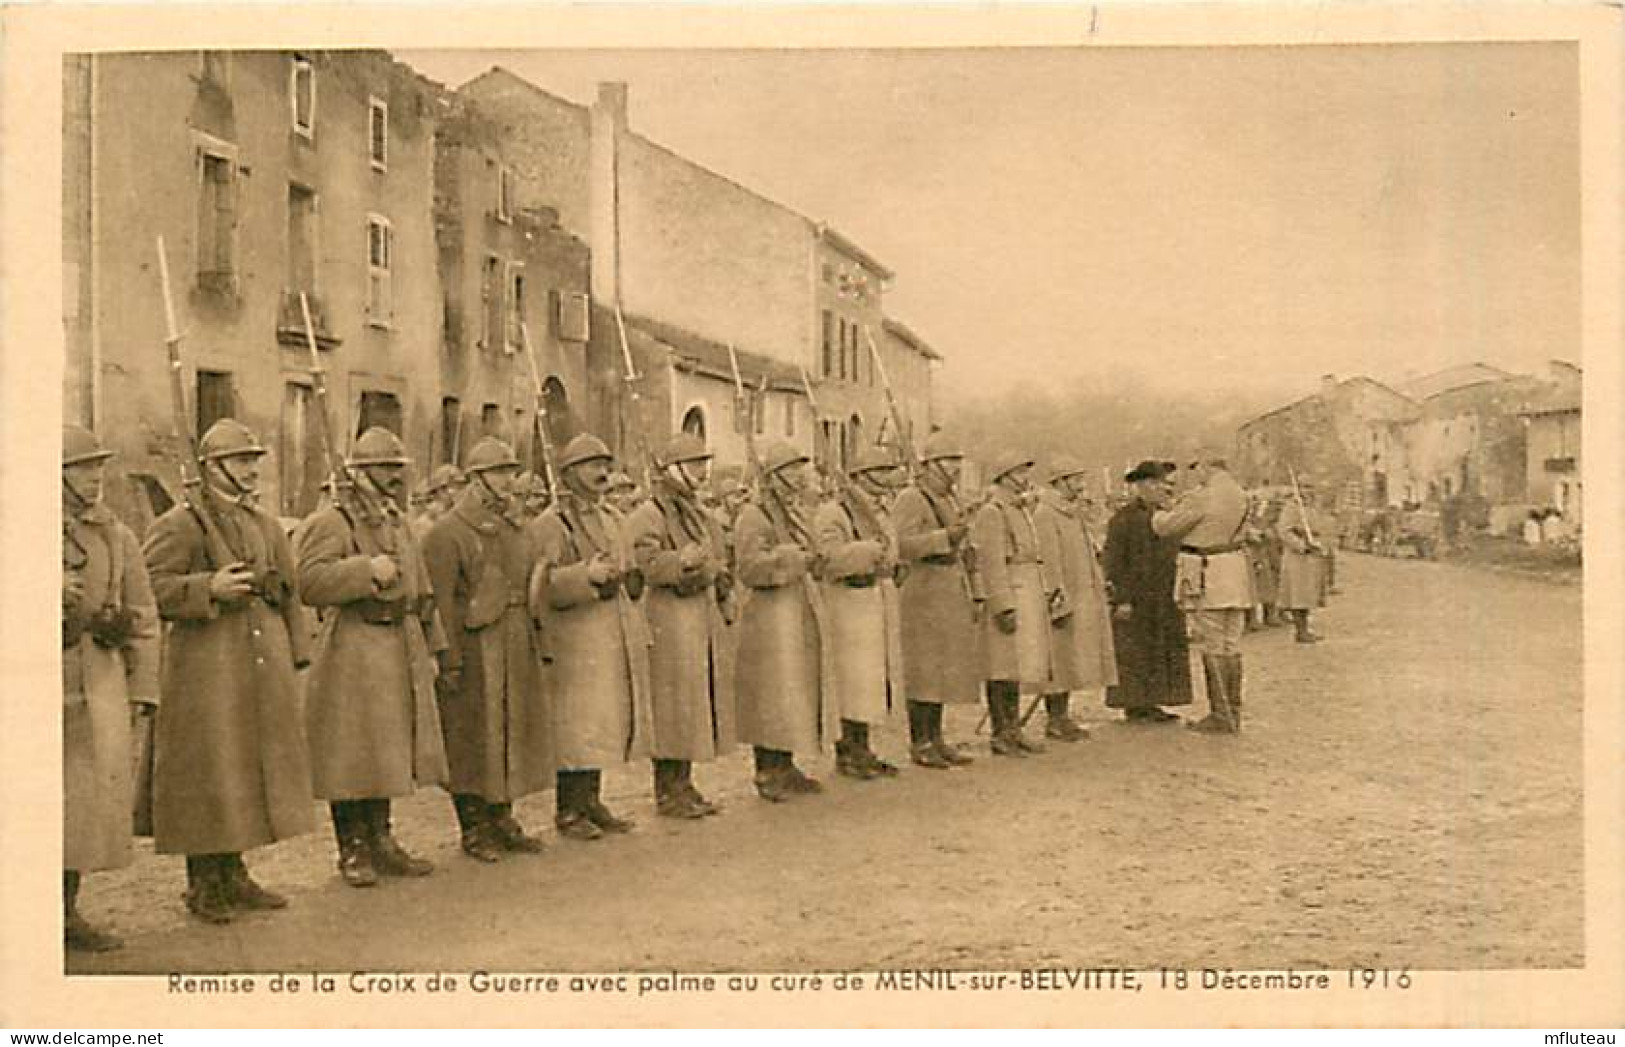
x=1148 y=629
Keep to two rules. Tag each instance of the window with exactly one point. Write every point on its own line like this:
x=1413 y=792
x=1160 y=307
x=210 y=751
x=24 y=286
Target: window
x=571 y=316
x=504 y=211
x=217 y=219
x=840 y=346
x=516 y=307
x=301 y=239
x=379 y=409
x=694 y=422
x=829 y=273
x=451 y=429
x=490 y=300
x=216 y=398
x=380 y=253
x=300 y=460
x=829 y=343
x=302 y=96
x=378 y=133
x=491 y=420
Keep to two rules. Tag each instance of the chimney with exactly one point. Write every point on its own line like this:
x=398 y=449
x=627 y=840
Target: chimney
x=1328 y=384
x=608 y=124
x=612 y=99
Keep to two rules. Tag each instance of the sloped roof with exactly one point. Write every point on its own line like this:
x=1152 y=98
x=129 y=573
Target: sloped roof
x=699 y=354
x=1452 y=378
x=899 y=330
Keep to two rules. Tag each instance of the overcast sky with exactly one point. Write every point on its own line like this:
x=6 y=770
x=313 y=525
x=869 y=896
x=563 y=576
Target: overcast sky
x=1216 y=217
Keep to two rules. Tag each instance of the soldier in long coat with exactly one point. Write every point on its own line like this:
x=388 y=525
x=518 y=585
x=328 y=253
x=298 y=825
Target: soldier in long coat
x=781 y=672
x=1303 y=564
x=231 y=767
x=857 y=567
x=1264 y=550
x=445 y=486
x=582 y=591
x=941 y=635
x=681 y=551
x=495 y=713
x=1017 y=593
x=1213 y=580
x=369 y=702
x=109 y=679
x=1148 y=628
x=1082 y=639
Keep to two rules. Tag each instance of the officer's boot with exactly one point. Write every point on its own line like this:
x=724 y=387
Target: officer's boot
x=574 y=803
x=241 y=890
x=1018 y=734
x=473 y=824
x=205 y=894
x=956 y=756
x=922 y=743
x=388 y=856
x=671 y=798
x=1059 y=724
x=355 y=852
x=1217 y=720
x=77 y=933
x=597 y=813
x=1232 y=689
x=685 y=781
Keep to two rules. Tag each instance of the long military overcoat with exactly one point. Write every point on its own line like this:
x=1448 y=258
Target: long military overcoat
x=370 y=706
x=691 y=657
x=231 y=768
x=498 y=722
x=1084 y=657
x=597 y=641
x=1303 y=572
x=1153 y=655
x=861 y=607
x=98 y=685
x=941 y=638
x=1012 y=577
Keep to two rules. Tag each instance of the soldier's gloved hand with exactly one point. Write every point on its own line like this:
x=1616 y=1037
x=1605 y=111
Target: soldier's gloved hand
x=600 y=570
x=1123 y=612
x=231 y=582
x=1005 y=620
x=385 y=571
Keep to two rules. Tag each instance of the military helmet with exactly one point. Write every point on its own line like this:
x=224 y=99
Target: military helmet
x=620 y=481
x=228 y=438
x=584 y=448
x=781 y=455
x=490 y=453
x=878 y=456
x=1065 y=466
x=938 y=446
x=446 y=475
x=684 y=447
x=1006 y=464
x=81 y=445
x=378 y=446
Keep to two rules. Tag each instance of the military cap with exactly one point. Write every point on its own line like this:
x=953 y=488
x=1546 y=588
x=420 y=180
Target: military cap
x=781 y=455
x=1149 y=470
x=491 y=453
x=938 y=447
x=81 y=445
x=584 y=448
x=228 y=438
x=684 y=447
x=444 y=476
x=378 y=446
x=1006 y=464
x=1065 y=466
x=878 y=456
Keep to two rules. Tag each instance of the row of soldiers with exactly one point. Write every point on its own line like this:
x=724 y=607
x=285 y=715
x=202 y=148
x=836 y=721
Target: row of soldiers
x=499 y=652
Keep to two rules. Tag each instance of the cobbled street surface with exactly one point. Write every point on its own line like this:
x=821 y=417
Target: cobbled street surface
x=1407 y=794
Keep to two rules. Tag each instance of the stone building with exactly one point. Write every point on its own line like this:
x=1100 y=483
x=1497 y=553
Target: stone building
x=1339 y=435
x=267 y=174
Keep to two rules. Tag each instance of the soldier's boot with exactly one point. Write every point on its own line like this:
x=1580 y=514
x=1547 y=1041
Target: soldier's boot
x=851 y=752
x=508 y=834
x=1218 y=719
x=877 y=768
x=78 y=934
x=241 y=890
x=597 y=813
x=685 y=777
x=355 y=850
x=474 y=828
x=671 y=798
x=1058 y=721
x=574 y=801
x=954 y=754
x=998 y=722
x=1232 y=689
x=1014 y=718
x=1304 y=633
x=770 y=781
x=388 y=856
x=205 y=892
x=922 y=748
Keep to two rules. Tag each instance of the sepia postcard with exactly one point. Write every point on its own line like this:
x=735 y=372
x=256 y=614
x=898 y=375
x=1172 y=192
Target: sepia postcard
x=857 y=516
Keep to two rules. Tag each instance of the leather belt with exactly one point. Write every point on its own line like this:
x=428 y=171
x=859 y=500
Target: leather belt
x=1213 y=550
x=940 y=561
x=859 y=581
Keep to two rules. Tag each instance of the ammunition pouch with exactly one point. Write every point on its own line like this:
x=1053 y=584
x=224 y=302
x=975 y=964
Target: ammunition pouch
x=384 y=612
x=690 y=585
x=111 y=627
x=633 y=582
x=723 y=586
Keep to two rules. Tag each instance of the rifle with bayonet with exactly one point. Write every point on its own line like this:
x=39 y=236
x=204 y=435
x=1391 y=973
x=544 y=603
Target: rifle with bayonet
x=193 y=495
x=1303 y=512
x=544 y=441
x=340 y=480
x=631 y=378
x=745 y=413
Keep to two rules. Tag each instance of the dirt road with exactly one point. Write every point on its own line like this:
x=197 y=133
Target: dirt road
x=1408 y=793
